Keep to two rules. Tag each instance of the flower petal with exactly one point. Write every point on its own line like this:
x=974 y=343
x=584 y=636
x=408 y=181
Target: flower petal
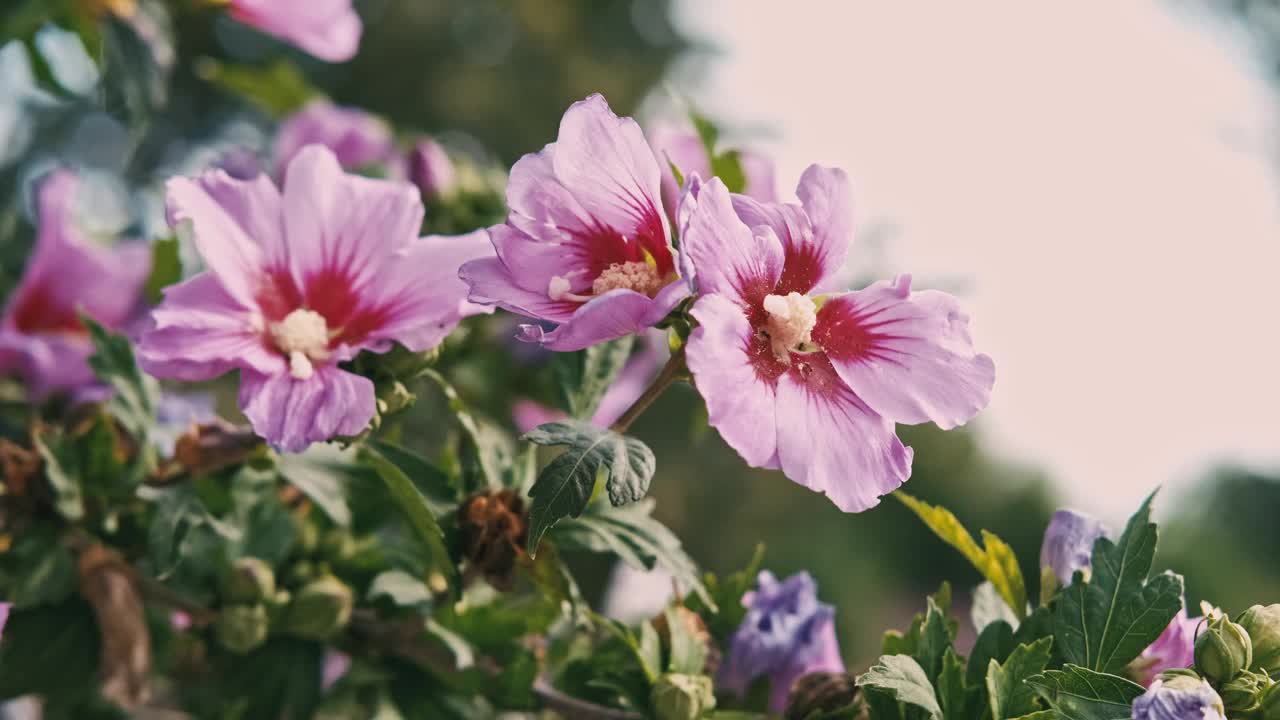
x=740 y=402
x=222 y=241
x=46 y=363
x=200 y=332
x=255 y=205
x=292 y=414
x=328 y=29
x=421 y=296
x=611 y=315
x=728 y=258
x=357 y=138
x=492 y=284
x=832 y=443
x=907 y=355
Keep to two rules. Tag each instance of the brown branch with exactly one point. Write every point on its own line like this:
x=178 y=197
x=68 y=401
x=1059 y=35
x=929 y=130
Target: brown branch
x=670 y=373
x=574 y=709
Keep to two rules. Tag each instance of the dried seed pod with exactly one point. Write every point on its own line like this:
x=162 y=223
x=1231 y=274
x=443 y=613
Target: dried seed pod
x=493 y=534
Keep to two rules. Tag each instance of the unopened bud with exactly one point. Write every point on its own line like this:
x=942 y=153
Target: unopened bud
x=337 y=545
x=250 y=580
x=824 y=694
x=431 y=169
x=1243 y=693
x=321 y=608
x=1223 y=649
x=682 y=697
x=241 y=628
x=1262 y=622
x=1269 y=704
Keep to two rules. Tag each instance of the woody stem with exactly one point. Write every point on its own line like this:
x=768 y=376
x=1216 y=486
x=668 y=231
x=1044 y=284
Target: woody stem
x=670 y=373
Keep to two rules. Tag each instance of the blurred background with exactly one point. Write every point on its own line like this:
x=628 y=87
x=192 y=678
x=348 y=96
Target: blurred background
x=1098 y=181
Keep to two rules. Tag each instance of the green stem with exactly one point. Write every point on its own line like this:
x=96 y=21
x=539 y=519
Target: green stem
x=670 y=373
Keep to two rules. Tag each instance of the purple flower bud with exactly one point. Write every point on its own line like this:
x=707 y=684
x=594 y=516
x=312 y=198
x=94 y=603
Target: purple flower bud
x=1183 y=698
x=786 y=633
x=358 y=139
x=1068 y=543
x=431 y=169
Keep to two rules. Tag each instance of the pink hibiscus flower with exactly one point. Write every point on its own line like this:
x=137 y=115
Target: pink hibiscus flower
x=328 y=29
x=299 y=282
x=586 y=244
x=813 y=384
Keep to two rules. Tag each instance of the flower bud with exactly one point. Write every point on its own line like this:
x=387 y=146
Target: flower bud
x=825 y=694
x=1243 y=693
x=431 y=169
x=337 y=545
x=321 y=608
x=1179 y=677
x=1223 y=649
x=241 y=628
x=1262 y=622
x=249 y=581
x=1183 y=698
x=1269 y=704
x=682 y=697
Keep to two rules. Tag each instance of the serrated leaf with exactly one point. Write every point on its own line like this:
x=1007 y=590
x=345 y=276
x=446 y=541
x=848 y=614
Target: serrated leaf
x=134 y=395
x=585 y=375
x=903 y=678
x=952 y=693
x=1106 y=622
x=632 y=535
x=994 y=559
x=934 y=641
x=1077 y=693
x=565 y=485
x=1008 y=693
x=166 y=267
x=995 y=642
x=415 y=509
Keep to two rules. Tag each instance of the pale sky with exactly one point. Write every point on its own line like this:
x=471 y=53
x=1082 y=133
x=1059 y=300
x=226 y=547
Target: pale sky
x=1093 y=177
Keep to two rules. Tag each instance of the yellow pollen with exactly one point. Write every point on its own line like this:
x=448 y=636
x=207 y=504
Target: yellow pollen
x=791 y=320
x=303 y=335
x=639 y=276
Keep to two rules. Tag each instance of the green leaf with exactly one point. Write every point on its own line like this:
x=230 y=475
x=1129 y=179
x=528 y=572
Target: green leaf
x=180 y=527
x=415 y=508
x=136 y=67
x=727 y=593
x=400 y=588
x=481 y=443
x=585 y=375
x=463 y=654
x=1106 y=622
x=728 y=167
x=707 y=132
x=631 y=534
x=565 y=485
x=134 y=395
x=649 y=650
x=281 y=679
x=319 y=475
x=952 y=694
x=49 y=650
x=688 y=653
x=38 y=570
x=166 y=267
x=935 y=641
x=430 y=480
x=1078 y=693
x=278 y=89
x=903 y=678
x=994 y=559
x=1008 y=693
x=68 y=497
x=995 y=642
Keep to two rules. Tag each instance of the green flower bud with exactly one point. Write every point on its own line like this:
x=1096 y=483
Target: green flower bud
x=241 y=628
x=682 y=697
x=1263 y=625
x=1243 y=693
x=1180 y=678
x=1223 y=650
x=337 y=545
x=1269 y=704
x=250 y=580
x=823 y=694
x=319 y=609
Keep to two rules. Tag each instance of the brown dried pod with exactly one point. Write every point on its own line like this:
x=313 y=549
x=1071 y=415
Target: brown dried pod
x=19 y=465
x=107 y=583
x=493 y=532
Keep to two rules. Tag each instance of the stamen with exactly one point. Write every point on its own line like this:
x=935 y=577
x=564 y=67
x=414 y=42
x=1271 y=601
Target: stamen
x=639 y=276
x=791 y=320
x=303 y=335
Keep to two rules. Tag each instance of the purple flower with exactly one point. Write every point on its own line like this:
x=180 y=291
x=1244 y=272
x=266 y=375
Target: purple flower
x=358 y=139
x=684 y=149
x=814 y=384
x=1180 y=699
x=300 y=281
x=328 y=29
x=586 y=244
x=1175 y=648
x=785 y=634
x=430 y=168
x=1068 y=544
x=41 y=338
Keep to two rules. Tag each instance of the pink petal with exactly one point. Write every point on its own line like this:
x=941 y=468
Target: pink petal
x=328 y=29
x=229 y=251
x=420 y=293
x=491 y=283
x=740 y=402
x=358 y=139
x=46 y=363
x=200 y=332
x=539 y=261
x=612 y=315
x=255 y=206
x=611 y=168
x=728 y=258
x=907 y=355
x=292 y=414
x=758 y=171
x=832 y=443
x=343 y=230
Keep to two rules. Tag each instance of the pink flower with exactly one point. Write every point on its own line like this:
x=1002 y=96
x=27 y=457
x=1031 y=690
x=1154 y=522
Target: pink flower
x=430 y=168
x=299 y=282
x=1175 y=648
x=328 y=29
x=41 y=337
x=586 y=244
x=359 y=140
x=336 y=664
x=813 y=384
x=685 y=150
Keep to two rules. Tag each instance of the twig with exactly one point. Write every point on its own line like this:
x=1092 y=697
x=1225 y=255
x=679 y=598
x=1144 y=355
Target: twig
x=670 y=373
x=574 y=709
